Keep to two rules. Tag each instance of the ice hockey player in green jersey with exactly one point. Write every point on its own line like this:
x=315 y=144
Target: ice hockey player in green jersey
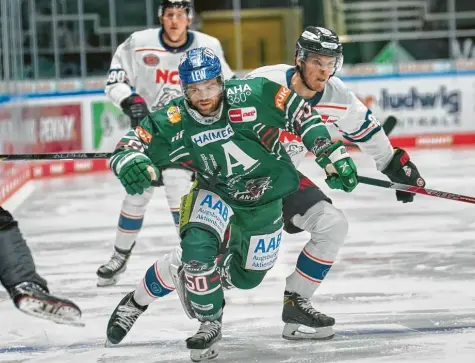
x=242 y=174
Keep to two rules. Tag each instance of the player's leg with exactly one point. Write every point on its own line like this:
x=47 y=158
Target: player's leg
x=27 y=289
x=156 y=283
x=310 y=210
x=254 y=241
x=177 y=183
x=204 y=219
x=129 y=225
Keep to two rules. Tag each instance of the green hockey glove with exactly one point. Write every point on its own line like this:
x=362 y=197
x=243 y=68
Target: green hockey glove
x=337 y=163
x=137 y=174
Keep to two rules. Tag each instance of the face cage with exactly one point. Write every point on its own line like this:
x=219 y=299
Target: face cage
x=303 y=53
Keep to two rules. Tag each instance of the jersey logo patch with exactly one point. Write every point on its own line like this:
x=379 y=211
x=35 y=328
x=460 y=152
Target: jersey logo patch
x=174 y=115
x=281 y=96
x=151 y=60
x=245 y=114
x=144 y=135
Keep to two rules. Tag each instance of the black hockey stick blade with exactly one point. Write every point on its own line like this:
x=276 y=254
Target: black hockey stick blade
x=389 y=125
x=57 y=156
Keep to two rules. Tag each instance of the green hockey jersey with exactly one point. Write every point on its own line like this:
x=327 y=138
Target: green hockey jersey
x=239 y=156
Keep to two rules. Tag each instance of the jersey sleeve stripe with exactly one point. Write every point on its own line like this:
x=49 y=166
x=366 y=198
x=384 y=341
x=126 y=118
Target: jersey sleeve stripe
x=364 y=136
x=331 y=106
x=311 y=127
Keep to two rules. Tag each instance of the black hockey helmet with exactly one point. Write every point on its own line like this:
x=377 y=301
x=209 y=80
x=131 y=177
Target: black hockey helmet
x=319 y=40
x=182 y=4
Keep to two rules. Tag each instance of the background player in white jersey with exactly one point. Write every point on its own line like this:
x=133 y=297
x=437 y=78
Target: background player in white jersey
x=148 y=61
x=319 y=54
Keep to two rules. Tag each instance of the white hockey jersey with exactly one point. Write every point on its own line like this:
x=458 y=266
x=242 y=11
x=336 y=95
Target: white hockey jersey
x=341 y=110
x=144 y=62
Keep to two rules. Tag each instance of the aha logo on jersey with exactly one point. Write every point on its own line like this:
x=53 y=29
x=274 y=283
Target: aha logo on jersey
x=245 y=114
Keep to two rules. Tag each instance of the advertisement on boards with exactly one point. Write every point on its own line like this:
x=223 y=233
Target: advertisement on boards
x=41 y=128
x=109 y=124
x=427 y=105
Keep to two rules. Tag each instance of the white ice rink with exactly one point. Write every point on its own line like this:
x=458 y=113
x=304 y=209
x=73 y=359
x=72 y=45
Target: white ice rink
x=402 y=289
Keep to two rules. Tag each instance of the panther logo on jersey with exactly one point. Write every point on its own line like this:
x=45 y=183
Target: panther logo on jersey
x=255 y=189
x=167 y=95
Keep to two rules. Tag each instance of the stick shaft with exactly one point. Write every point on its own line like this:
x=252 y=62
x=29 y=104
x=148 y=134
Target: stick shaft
x=57 y=156
x=415 y=189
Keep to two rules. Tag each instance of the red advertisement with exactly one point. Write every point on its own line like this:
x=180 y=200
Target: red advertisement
x=41 y=129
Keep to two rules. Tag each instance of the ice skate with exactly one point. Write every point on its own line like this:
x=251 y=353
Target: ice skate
x=35 y=300
x=298 y=313
x=123 y=318
x=109 y=273
x=203 y=345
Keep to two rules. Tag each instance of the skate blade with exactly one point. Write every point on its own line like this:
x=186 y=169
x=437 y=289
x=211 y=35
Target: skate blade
x=180 y=289
x=199 y=355
x=102 y=282
x=109 y=344
x=302 y=332
x=33 y=307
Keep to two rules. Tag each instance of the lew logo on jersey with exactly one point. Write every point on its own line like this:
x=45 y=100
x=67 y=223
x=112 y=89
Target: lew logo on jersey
x=245 y=114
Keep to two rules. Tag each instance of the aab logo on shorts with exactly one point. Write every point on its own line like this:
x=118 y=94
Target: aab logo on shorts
x=245 y=114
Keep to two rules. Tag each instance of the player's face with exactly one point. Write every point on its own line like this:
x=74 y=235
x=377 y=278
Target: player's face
x=205 y=96
x=174 y=22
x=318 y=69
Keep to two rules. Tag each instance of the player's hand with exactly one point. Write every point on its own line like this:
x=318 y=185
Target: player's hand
x=337 y=163
x=402 y=170
x=137 y=174
x=135 y=107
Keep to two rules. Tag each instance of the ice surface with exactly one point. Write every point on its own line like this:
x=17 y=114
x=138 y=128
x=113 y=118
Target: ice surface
x=402 y=289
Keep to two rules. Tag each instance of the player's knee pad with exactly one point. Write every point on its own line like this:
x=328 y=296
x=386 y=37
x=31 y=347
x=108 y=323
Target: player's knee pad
x=327 y=225
x=177 y=183
x=137 y=204
x=204 y=210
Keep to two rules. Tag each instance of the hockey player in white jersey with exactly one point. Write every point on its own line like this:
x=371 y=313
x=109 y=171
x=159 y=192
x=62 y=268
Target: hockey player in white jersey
x=319 y=55
x=143 y=77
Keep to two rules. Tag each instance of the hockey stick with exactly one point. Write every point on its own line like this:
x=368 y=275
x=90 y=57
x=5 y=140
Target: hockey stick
x=58 y=156
x=415 y=189
x=388 y=127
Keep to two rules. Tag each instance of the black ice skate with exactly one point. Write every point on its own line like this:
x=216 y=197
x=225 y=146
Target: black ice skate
x=108 y=274
x=299 y=311
x=35 y=300
x=123 y=318
x=203 y=345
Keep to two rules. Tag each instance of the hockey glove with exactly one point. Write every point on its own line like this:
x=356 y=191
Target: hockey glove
x=402 y=170
x=337 y=163
x=137 y=174
x=135 y=107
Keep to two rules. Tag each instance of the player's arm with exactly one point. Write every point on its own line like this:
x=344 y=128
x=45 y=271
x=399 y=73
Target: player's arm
x=293 y=114
x=120 y=83
x=138 y=155
x=361 y=127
